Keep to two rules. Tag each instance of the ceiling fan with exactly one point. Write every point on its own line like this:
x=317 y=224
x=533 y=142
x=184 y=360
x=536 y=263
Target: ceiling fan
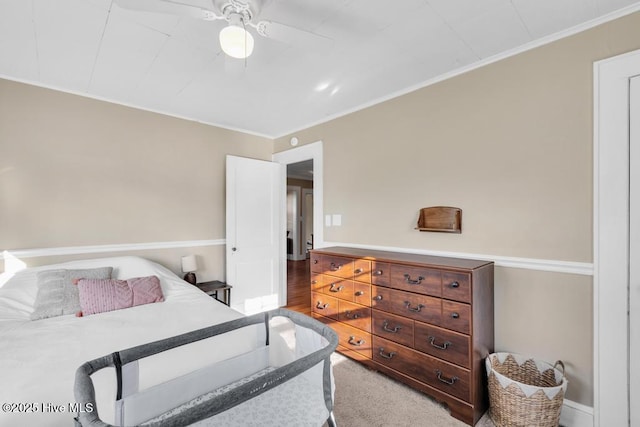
x=235 y=40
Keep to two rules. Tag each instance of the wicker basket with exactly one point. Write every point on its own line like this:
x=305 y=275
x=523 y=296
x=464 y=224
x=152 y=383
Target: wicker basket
x=524 y=392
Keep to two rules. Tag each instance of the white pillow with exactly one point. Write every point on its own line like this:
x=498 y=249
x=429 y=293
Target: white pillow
x=57 y=292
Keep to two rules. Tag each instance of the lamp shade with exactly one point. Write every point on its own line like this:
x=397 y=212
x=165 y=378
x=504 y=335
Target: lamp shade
x=189 y=264
x=235 y=41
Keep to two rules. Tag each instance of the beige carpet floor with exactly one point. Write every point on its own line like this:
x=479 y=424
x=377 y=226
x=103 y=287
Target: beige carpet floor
x=365 y=398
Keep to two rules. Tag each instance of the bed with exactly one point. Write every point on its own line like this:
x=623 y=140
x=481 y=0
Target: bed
x=39 y=358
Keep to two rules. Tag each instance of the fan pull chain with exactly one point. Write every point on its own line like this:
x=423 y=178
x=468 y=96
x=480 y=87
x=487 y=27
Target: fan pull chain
x=244 y=26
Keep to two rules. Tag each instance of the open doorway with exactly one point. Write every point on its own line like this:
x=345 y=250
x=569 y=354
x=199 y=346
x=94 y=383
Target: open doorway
x=311 y=234
x=299 y=210
x=299 y=234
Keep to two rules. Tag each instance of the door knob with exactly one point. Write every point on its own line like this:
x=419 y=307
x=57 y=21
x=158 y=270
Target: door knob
x=233 y=249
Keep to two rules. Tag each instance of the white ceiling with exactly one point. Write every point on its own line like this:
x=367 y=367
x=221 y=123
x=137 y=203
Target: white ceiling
x=174 y=65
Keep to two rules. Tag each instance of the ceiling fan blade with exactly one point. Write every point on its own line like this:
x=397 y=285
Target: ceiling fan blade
x=291 y=35
x=169 y=7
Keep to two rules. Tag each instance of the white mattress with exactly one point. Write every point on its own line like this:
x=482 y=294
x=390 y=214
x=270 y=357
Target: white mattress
x=38 y=359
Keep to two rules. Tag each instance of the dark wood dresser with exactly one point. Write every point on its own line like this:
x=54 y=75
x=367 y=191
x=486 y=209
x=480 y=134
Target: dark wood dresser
x=423 y=320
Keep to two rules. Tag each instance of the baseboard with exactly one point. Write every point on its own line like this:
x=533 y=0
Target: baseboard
x=576 y=415
x=96 y=249
x=571 y=267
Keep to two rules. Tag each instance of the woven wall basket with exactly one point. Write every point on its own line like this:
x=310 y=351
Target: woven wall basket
x=524 y=392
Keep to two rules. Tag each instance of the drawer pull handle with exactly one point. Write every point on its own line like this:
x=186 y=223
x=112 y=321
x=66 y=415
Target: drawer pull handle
x=386 y=355
x=455 y=315
x=313 y=282
x=352 y=341
x=378 y=298
x=351 y=315
x=359 y=293
x=415 y=309
x=395 y=330
x=432 y=341
x=321 y=306
x=377 y=273
x=408 y=279
x=315 y=261
x=335 y=267
x=444 y=380
x=358 y=270
x=455 y=285
x=333 y=288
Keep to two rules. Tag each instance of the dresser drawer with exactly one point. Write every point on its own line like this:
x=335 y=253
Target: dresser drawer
x=337 y=287
x=352 y=339
x=337 y=266
x=392 y=327
x=442 y=343
x=315 y=261
x=362 y=293
x=456 y=316
x=456 y=286
x=324 y=305
x=416 y=279
x=355 y=315
x=362 y=270
x=317 y=282
x=380 y=273
x=416 y=306
x=444 y=376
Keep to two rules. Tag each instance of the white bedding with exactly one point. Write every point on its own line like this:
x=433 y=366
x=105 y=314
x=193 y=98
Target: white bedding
x=38 y=359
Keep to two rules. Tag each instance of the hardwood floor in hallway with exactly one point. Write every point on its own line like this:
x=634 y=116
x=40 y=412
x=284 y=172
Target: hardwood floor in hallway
x=298 y=286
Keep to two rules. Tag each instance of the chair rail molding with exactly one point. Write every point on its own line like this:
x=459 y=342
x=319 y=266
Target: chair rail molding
x=571 y=267
x=94 y=249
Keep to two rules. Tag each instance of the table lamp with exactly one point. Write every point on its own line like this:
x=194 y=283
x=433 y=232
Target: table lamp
x=189 y=266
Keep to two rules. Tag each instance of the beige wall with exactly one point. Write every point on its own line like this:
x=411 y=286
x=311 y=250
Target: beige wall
x=211 y=260
x=548 y=316
x=76 y=171
x=509 y=143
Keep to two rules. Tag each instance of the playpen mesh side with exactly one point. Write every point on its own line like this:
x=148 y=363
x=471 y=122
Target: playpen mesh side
x=217 y=402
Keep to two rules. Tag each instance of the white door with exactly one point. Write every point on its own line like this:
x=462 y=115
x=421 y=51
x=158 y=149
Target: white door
x=634 y=251
x=253 y=240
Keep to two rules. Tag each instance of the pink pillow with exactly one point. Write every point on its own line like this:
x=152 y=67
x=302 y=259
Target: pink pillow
x=100 y=295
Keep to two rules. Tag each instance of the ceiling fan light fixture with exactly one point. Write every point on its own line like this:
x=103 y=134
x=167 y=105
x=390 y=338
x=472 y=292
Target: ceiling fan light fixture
x=235 y=41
